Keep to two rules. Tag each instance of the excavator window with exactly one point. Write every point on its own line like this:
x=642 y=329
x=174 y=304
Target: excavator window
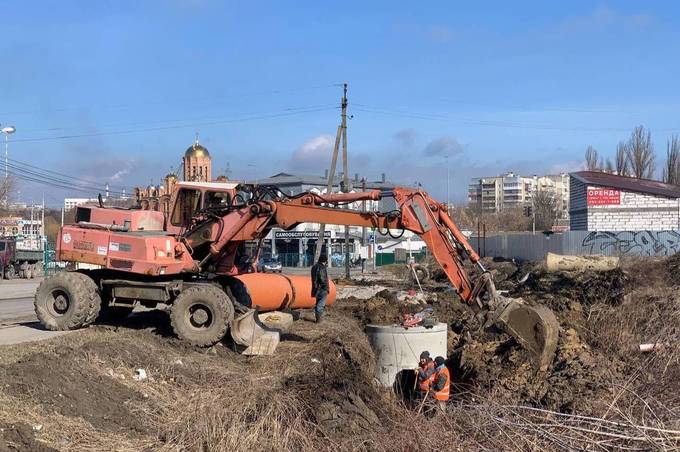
x=188 y=202
x=217 y=199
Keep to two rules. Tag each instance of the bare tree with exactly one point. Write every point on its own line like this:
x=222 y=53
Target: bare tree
x=641 y=153
x=621 y=159
x=609 y=166
x=545 y=207
x=591 y=159
x=671 y=171
x=6 y=189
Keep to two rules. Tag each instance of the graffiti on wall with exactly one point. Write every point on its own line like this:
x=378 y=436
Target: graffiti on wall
x=637 y=243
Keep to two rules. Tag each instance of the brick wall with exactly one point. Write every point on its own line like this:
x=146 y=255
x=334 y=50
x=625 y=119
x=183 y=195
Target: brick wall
x=636 y=212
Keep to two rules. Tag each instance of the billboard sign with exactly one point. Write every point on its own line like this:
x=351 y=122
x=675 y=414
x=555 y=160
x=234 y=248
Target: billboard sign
x=300 y=234
x=603 y=196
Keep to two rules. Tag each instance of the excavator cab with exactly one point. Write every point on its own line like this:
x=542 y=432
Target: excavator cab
x=190 y=198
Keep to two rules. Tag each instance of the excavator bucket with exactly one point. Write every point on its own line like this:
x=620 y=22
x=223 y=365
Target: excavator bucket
x=259 y=334
x=534 y=327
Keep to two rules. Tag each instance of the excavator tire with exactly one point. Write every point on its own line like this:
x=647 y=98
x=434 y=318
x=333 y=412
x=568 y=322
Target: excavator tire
x=422 y=271
x=201 y=315
x=64 y=301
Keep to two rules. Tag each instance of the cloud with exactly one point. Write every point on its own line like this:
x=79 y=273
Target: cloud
x=567 y=167
x=443 y=146
x=406 y=137
x=313 y=154
x=441 y=33
x=604 y=17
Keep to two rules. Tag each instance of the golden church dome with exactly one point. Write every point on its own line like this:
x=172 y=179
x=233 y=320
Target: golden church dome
x=196 y=150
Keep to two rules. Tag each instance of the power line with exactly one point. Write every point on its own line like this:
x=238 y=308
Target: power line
x=57 y=185
x=84 y=181
x=175 y=101
x=493 y=123
x=66 y=181
x=169 y=121
x=181 y=126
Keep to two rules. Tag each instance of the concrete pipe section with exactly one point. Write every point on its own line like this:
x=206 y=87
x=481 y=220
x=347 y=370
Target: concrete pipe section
x=398 y=348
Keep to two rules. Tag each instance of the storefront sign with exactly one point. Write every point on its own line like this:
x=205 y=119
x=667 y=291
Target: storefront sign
x=603 y=197
x=300 y=234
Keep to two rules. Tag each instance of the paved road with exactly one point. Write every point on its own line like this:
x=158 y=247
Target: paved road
x=18 y=322
x=18 y=288
x=14 y=310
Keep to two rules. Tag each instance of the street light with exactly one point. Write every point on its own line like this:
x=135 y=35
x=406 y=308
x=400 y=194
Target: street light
x=7 y=131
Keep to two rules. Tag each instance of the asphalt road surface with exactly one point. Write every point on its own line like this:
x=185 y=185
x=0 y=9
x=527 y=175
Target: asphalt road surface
x=18 y=322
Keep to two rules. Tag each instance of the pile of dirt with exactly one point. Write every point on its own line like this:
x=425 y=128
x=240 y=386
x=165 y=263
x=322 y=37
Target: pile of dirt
x=69 y=389
x=20 y=437
x=561 y=290
x=384 y=308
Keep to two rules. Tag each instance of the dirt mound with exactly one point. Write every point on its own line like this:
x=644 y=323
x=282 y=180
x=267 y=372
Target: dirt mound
x=74 y=392
x=20 y=437
x=560 y=291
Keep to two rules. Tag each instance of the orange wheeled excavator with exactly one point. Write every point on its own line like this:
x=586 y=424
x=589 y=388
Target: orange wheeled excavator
x=193 y=261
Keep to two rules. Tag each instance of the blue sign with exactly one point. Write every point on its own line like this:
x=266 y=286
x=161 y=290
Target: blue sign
x=379 y=247
x=371 y=238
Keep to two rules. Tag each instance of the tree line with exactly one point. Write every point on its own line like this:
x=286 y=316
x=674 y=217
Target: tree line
x=635 y=157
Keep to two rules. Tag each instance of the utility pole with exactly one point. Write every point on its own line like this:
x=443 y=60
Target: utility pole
x=341 y=134
x=329 y=189
x=345 y=170
x=363 y=228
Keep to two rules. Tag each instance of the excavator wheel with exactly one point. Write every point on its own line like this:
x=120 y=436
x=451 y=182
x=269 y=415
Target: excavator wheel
x=419 y=270
x=201 y=315
x=64 y=301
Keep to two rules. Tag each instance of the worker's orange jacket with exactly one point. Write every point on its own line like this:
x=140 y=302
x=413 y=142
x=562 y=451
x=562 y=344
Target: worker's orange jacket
x=441 y=384
x=425 y=376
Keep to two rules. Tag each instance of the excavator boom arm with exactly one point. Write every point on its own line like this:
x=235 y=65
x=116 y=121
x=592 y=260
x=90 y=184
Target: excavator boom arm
x=535 y=328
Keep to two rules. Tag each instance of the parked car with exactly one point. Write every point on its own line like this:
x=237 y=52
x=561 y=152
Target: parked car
x=271 y=265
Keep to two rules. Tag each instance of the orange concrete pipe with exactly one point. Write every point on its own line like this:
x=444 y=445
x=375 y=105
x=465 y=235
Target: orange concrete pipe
x=272 y=292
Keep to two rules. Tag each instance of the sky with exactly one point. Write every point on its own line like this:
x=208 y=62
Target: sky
x=115 y=91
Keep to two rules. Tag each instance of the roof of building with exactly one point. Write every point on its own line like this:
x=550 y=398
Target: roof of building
x=208 y=185
x=196 y=150
x=647 y=186
x=308 y=179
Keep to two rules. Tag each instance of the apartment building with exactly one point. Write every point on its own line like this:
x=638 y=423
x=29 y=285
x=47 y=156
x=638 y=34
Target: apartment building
x=510 y=190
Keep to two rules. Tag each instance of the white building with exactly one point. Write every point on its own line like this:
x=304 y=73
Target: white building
x=607 y=202
x=70 y=203
x=512 y=191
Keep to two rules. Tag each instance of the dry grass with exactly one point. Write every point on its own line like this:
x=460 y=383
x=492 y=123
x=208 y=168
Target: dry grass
x=317 y=392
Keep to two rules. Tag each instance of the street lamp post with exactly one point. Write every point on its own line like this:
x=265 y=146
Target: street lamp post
x=7 y=131
x=447 y=184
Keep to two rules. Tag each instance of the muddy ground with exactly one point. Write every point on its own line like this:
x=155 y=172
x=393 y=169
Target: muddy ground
x=78 y=392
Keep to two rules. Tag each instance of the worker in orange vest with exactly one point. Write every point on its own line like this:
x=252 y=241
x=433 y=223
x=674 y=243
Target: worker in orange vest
x=441 y=383
x=425 y=374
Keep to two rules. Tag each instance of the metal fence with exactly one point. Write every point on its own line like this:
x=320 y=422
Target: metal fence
x=535 y=247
